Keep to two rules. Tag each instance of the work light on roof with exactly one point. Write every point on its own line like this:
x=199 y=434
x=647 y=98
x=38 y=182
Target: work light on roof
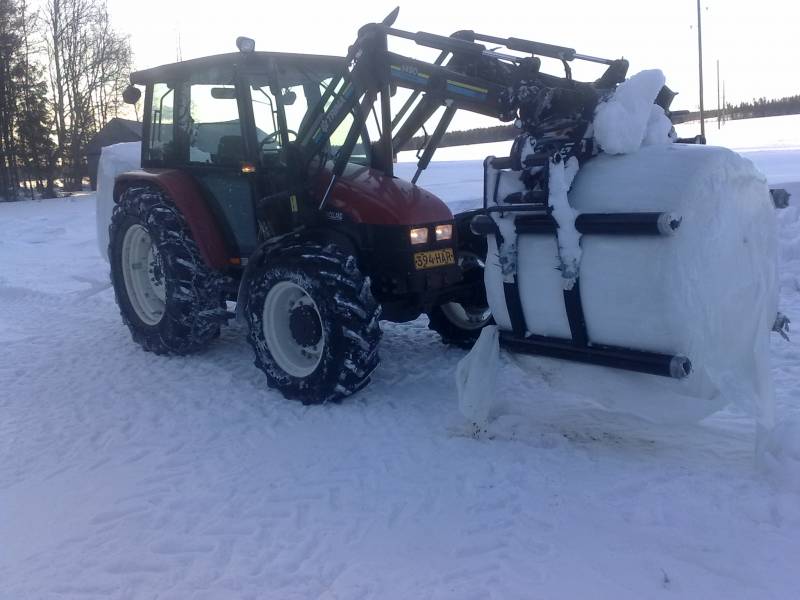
x=245 y=44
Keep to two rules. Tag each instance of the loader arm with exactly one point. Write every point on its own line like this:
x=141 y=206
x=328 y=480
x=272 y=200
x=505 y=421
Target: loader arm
x=465 y=76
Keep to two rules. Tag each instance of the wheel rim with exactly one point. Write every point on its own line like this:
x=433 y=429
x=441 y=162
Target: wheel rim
x=463 y=316
x=467 y=317
x=284 y=301
x=143 y=272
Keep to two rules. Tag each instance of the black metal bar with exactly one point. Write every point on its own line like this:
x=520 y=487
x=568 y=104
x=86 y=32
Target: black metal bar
x=649 y=223
x=433 y=142
x=501 y=162
x=577 y=320
x=431 y=40
x=514 y=306
x=386 y=132
x=486 y=162
x=665 y=365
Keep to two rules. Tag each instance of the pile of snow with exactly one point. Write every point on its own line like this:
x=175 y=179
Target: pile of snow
x=562 y=174
x=708 y=292
x=115 y=159
x=628 y=119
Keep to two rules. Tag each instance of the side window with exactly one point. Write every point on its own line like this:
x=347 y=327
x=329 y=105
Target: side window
x=162 y=143
x=215 y=133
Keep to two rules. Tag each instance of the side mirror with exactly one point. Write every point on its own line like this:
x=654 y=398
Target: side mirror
x=288 y=98
x=131 y=94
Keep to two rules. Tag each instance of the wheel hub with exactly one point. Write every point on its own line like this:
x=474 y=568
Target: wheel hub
x=304 y=325
x=292 y=328
x=143 y=273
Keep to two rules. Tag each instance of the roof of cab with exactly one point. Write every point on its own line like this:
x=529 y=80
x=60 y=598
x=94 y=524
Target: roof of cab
x=252 y=61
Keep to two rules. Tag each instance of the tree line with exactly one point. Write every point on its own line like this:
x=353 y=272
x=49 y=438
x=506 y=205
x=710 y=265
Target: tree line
x=761 y=107
x=62 y=70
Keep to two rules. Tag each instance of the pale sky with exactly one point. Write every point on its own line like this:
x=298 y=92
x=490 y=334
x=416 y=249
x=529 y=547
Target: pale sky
x=757 y=43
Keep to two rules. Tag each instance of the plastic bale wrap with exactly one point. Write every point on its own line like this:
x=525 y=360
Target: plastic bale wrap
x=708 y=292
x=115 y=159
x=476 y=377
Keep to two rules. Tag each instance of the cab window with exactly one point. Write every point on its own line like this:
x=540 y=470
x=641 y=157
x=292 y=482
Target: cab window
x=215 y=132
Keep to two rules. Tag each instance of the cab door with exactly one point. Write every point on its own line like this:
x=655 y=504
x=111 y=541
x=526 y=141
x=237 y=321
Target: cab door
x=218 y=152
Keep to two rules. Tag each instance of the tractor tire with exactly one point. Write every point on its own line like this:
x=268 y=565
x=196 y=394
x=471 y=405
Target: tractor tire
x=460 y=323
x=313 y=323
x=171 y=301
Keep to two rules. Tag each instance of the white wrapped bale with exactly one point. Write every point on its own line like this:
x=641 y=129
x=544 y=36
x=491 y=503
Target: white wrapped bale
x=115 y=159
x=708 y=292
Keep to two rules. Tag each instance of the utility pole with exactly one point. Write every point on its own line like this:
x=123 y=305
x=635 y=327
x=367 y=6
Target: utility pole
x=719 y=108
x=724 y=104
x=700 y=68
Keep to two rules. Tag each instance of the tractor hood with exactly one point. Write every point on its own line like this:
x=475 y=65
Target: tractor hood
x=371 y=197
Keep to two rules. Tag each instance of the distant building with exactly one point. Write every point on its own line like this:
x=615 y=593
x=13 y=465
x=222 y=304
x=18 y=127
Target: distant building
x=115 y=131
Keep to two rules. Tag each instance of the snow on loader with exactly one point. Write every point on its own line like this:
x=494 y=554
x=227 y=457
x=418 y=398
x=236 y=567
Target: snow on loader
x=260 y=184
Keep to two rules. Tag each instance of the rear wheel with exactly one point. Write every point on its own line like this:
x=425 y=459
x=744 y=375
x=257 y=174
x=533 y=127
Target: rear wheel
x=313 y=322
x=460 y=322
x=169 y=299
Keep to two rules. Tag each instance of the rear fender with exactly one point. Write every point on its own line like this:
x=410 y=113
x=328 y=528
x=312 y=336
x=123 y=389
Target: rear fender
x=188 y=198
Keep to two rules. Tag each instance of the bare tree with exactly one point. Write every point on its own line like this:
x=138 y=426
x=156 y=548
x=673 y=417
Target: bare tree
x=89 y=63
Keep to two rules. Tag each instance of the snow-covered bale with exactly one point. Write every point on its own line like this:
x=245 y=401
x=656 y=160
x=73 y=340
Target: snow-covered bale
x=708 y=292
x=115 y=159
x=629 y=118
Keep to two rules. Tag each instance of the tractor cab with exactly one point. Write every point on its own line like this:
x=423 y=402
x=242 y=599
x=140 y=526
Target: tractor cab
x=230 y=122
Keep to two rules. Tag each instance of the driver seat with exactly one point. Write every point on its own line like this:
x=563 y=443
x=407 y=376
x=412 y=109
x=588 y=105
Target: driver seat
x=230 y=150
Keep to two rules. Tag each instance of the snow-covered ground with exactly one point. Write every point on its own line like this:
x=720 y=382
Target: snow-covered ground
x=127 y=475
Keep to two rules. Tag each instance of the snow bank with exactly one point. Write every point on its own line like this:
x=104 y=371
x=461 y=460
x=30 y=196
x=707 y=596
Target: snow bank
x=708 y=292
x=626 y=119
x=114 y=160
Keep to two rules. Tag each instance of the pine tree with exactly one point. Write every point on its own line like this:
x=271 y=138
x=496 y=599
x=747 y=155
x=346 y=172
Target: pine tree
x=36 y=150
x=9 y=54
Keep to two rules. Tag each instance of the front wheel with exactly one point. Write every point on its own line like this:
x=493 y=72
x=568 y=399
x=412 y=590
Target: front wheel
x=313 y=322
x=460 y=322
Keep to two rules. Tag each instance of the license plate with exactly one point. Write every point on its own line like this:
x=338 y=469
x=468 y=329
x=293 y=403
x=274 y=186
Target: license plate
x=434 y=258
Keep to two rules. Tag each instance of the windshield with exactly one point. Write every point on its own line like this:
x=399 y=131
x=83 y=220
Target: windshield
x=300 y=96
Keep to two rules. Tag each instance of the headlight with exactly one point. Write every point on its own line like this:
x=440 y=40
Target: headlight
x=444 y=232
x=418 y=235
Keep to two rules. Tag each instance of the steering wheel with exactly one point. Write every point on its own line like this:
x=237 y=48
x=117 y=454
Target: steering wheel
x=271 y=138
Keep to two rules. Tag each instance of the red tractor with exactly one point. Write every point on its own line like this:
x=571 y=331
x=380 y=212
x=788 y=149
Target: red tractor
x=260 y=185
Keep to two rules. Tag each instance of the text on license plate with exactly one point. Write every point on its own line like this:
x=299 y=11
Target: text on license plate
x=434 y=258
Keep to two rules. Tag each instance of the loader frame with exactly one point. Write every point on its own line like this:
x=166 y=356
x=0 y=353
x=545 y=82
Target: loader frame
x=468 y=76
